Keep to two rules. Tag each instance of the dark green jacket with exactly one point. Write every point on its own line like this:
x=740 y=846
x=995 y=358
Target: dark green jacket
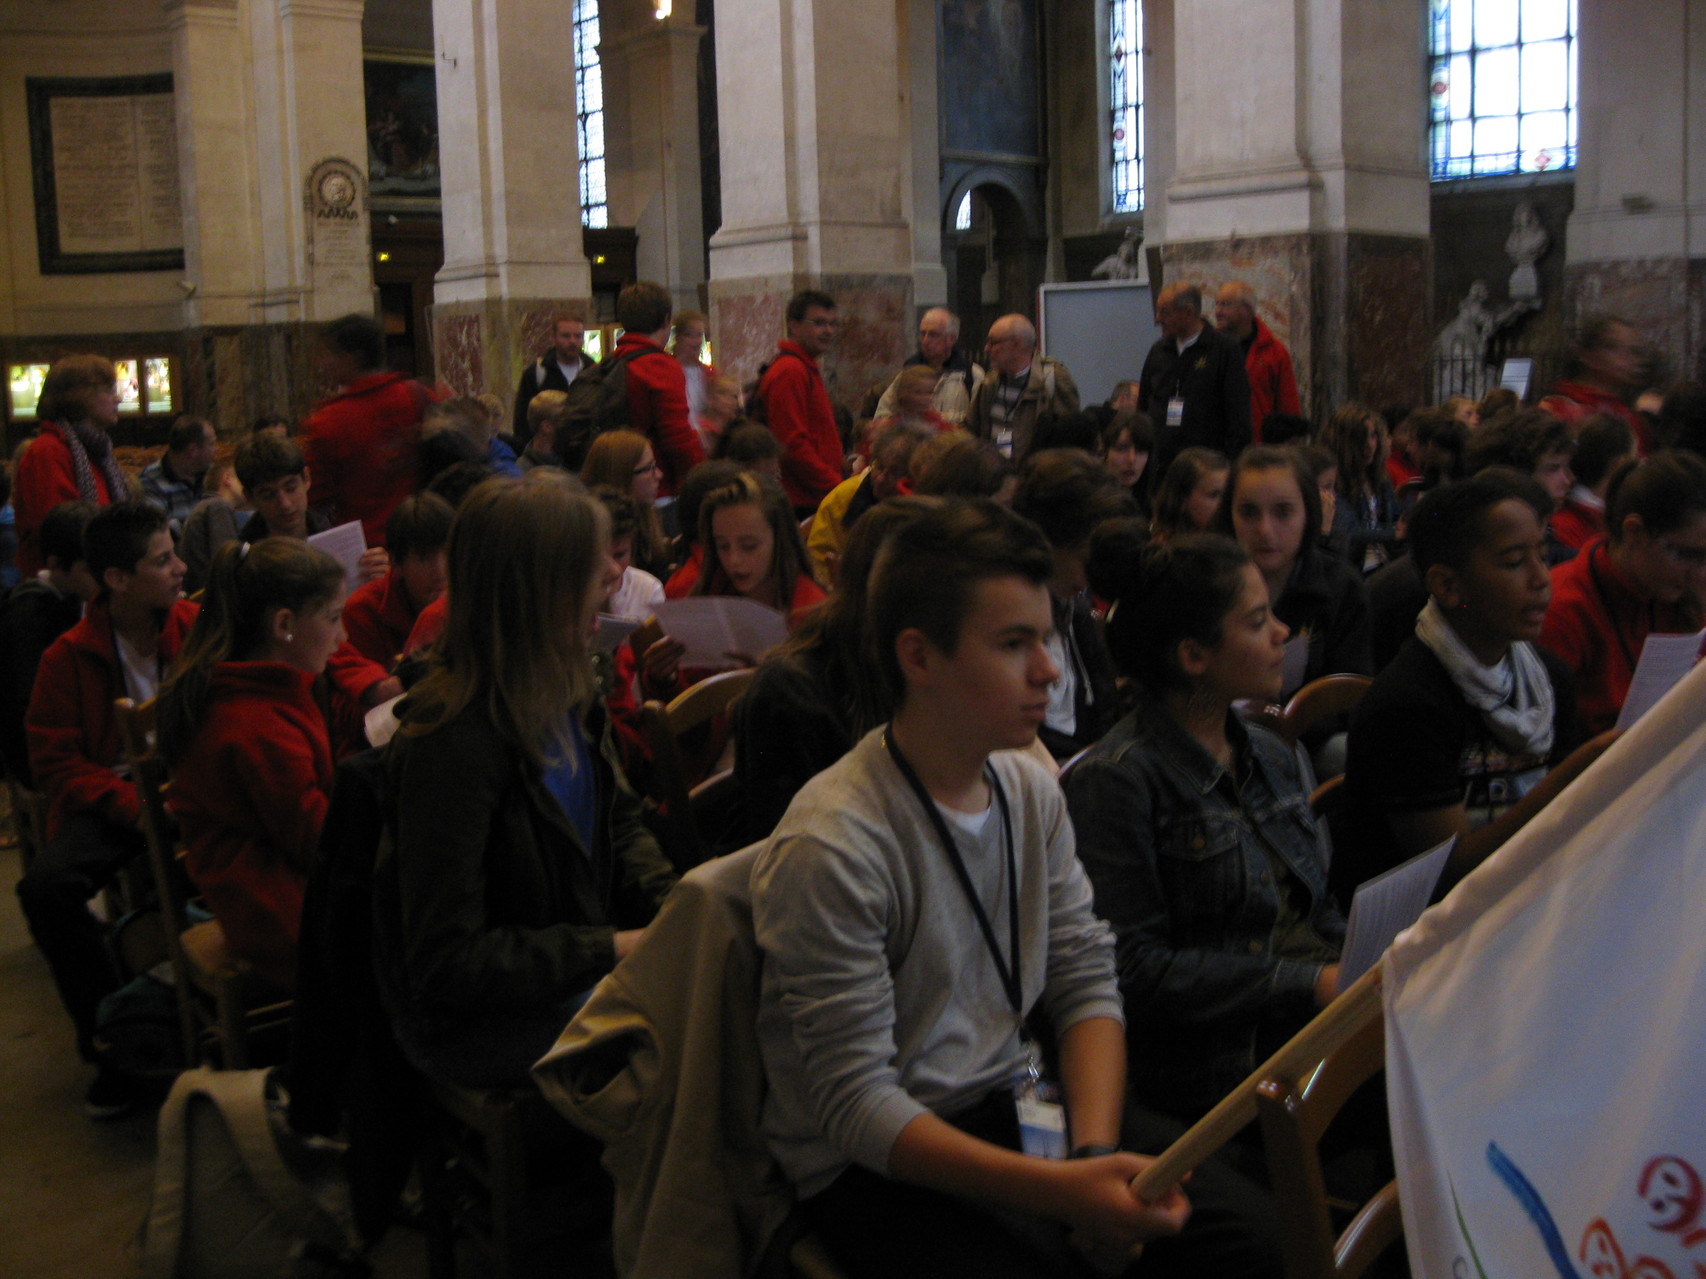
x=485 y=903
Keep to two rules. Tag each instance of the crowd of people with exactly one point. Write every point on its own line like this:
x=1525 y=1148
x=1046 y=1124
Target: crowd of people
x=1031 y=863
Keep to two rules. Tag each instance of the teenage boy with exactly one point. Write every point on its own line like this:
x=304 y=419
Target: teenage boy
x=38 y=611
x=379 y=615
x=918 y=907
x=129 y=635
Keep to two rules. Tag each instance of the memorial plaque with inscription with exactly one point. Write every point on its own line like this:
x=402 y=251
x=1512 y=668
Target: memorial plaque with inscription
x=104 y=154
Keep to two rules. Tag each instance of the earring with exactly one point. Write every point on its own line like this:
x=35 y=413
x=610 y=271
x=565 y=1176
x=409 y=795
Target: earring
x=290 y=637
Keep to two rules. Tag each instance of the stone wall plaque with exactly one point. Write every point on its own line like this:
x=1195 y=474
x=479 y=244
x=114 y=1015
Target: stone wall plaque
x=337 y=222
x=104 y=159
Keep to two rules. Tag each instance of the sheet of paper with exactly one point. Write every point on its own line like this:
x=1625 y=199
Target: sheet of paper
x=1296 y=663
x=345 y=544
x=613 y=630
x=715 y=626
x=1385 y=906
x=380 y=723
x=1665 y=659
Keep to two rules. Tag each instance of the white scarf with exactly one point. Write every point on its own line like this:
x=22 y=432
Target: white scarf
x=1514 y=697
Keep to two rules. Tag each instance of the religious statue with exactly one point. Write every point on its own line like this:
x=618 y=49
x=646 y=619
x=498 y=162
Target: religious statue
x=1124 y=264
x=1524 y=246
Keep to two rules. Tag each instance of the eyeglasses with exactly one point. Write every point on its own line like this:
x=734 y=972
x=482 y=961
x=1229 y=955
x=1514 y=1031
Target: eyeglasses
x=650 y=468
x=1693 y=557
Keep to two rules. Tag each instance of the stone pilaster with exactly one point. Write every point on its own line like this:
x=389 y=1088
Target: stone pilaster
x=512 y=228
x=816 y=181
x=1636 y=241
x=1300 y=171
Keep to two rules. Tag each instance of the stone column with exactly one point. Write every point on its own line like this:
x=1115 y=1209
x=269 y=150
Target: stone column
x=816 y=175
x=1636 y=243
x=651 y=138
x=508 y=156
x=1296 y=164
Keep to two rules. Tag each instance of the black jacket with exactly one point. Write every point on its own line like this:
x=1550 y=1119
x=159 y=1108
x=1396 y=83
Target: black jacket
x=541 y=374
x=1210 y=378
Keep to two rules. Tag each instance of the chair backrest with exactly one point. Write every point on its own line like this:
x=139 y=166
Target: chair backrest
x=1318 y=701
x=1294 y=1114
x=136 y=726
x=672 y=779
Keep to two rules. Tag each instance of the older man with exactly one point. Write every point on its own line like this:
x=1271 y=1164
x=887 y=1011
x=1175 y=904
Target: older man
x=957 y=377
x=1267 y=364
x=1021 y=390
x=1193 y=386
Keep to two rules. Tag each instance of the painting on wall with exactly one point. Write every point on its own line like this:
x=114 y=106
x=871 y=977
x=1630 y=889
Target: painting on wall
x=402 y=130
x=988 y=73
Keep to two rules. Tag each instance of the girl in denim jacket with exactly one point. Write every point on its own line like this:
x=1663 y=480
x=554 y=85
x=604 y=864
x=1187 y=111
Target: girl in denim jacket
x=1196 y=830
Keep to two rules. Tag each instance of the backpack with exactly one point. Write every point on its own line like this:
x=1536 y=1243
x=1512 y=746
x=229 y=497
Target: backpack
x=235 y=1195
x=597 y=402
x=137 y=1030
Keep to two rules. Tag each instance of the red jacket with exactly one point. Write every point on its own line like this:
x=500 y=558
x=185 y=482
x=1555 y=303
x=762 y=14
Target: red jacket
x=1575 y=524
x=44 y=478
x=800 y=416
x=657 y=408
x=1273 y=386
x=1597 y=626
x=73 y=735
x=250 y=795
x=378 y=618
x=429 y=625
x=1573 y=403
x=361 y=447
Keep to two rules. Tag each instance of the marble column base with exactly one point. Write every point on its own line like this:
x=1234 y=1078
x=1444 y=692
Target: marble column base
x=747 y=320
x=1663 y=298
x=481 y=347
x=1351 y=307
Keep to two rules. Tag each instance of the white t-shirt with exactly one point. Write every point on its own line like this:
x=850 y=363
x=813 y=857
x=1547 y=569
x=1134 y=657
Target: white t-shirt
x=637 y=596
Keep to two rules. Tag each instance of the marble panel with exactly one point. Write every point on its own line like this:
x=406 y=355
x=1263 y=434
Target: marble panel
x=1661 y=297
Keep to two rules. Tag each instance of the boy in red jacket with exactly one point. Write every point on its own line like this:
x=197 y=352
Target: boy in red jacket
x=131 y=632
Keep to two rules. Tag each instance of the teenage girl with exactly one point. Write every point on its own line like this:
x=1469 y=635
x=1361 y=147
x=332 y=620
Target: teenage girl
x=247 y=743
x=1189 y=494
x=1365 y=521
x=625 y=460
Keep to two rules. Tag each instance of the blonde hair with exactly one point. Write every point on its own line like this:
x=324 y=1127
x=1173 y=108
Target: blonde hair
x=525 y=557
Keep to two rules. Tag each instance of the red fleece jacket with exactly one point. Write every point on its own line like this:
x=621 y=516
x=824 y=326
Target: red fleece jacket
x=250 y=795
x=800 y=416
x=657 y=409
x=361 y=448
x=73 y=734
x=45 y=477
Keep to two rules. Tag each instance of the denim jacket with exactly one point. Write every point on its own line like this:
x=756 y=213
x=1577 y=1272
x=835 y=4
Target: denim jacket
x=1182 y=853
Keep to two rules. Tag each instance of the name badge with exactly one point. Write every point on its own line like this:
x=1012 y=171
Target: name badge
x=1176 y=411
x=1042 y=1119
x=1004 y=440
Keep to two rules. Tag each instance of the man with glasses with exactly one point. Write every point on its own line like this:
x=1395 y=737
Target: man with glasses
x=1022 y=390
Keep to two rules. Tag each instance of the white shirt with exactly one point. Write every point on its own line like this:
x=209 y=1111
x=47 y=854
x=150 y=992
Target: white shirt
x=569 y=370
x=637 y=596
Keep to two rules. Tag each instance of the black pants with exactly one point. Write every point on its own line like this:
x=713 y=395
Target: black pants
x=81 y=859
x=877 y=1228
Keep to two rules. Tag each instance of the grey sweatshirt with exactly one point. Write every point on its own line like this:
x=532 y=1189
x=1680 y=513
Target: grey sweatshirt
x=880 y=999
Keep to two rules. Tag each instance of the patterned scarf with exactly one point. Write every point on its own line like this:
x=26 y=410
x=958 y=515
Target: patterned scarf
x=85 y=441
x=1514 y=697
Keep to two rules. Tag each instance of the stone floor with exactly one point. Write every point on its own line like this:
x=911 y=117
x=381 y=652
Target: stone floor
x=74 y=1192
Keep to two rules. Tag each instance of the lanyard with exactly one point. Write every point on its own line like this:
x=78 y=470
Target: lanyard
x=1011 y=980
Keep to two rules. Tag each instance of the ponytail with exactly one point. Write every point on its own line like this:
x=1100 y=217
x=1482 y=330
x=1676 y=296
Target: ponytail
x=246 y=584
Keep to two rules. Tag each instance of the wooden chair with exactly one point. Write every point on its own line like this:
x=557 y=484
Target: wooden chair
x=672 y=780
x=29 y=820
x=1294 y=1114
x=505 y=1171
x=222 y=1005
x=1318 y=701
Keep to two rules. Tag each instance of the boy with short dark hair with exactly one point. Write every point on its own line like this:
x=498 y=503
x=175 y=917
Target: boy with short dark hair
x=379 y=615
x=132 y=630
x=917 y=906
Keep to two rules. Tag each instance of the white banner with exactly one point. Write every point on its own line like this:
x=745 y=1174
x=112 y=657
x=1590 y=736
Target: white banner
x=1546 y=1032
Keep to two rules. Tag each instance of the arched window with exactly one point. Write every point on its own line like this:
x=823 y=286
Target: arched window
x=589 y=114
x=1125 y=93
x=1503 y=86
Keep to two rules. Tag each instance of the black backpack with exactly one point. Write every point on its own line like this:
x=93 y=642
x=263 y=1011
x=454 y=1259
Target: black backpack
x=597 y=402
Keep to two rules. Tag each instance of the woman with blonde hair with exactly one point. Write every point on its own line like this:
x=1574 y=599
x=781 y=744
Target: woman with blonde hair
x=251 y=760
x=71 y=458
x=625 y=460
x=516 y=870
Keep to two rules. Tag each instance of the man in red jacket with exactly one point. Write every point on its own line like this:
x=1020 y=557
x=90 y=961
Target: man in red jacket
x=131 y=632
x=1273 y=386
x=657 y=388
x=361 y=443
x=796 y=402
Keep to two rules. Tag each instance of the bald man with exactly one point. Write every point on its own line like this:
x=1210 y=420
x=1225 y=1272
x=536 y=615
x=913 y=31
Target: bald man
x=1021 y=390
x=957 y=378
x=1267 y=364
x=1193 y=387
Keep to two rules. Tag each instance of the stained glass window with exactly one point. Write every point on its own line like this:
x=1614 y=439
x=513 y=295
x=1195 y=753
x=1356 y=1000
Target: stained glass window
x=589 y=114
x=1502 y=86
x=1125 y=84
